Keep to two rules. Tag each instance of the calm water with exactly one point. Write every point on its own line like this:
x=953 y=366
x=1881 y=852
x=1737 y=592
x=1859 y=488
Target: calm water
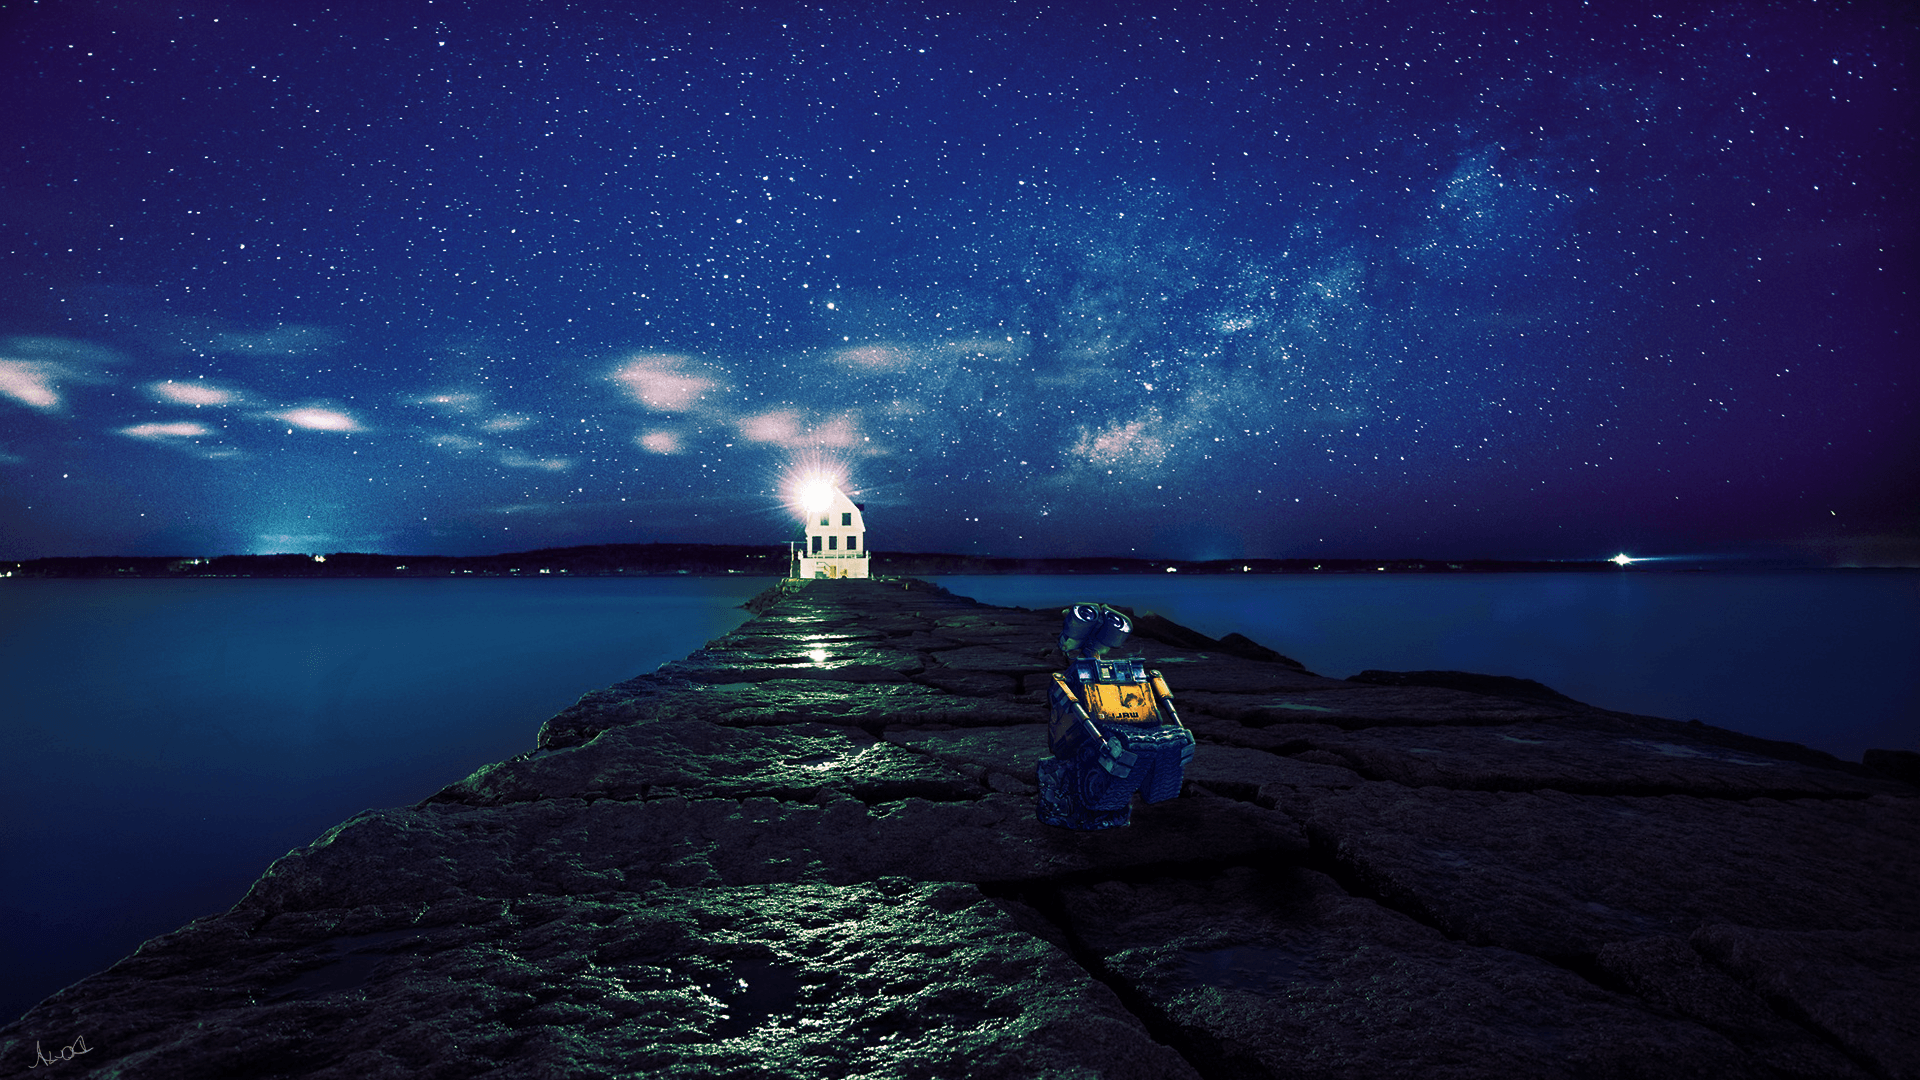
x=1831 y=660
x=169 y=739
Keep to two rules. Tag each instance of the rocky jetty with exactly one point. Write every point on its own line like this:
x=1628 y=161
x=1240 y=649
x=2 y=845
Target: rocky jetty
x=810 y=850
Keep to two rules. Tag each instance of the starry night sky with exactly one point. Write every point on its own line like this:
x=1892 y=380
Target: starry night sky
x=1203 y=281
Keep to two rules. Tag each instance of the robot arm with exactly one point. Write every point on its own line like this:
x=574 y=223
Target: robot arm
x=1072 y=729
x=1163 y=696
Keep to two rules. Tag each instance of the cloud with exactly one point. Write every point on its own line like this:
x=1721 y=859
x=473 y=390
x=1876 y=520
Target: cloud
x=455 y=442
x=191 y=393
x=788 y=428
x=458 y=401
x=993 y=348
x=287 y=339
x=78 y=355
x=666 y=383
x=31 y=383
x=660 y=442
x=513 y=459
x=314 y=418
x=872 y=357
x=158 y=432
x=842 y=430
x=464 y=403
x=780 y=427
x=1117 y=445
x=32 y=368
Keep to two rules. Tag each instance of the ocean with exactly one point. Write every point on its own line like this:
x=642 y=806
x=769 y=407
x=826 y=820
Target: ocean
x=167 y=740
x=1830 y=659
x=170 y=739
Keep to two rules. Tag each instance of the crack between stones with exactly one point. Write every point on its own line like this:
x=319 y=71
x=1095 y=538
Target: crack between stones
x=929 y=650
x=1323 y=856
x=1042 y=896
x=1517 y=786
x=1647 y=791
x=787 y=796
x=1371 y=723
x=959 y=693
x=1787 y=1010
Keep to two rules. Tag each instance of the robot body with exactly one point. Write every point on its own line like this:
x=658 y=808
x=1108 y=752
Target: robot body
x=1113 y=730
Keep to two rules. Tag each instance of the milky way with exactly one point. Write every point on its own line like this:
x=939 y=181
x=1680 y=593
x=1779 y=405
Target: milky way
x=1214 y=281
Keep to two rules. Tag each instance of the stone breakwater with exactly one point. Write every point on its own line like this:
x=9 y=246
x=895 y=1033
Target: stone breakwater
x=809 y=850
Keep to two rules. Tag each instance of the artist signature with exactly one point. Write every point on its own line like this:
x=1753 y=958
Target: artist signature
x=67 y=1053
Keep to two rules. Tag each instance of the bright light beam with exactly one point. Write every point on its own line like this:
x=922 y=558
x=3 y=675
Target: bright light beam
x=814 y=492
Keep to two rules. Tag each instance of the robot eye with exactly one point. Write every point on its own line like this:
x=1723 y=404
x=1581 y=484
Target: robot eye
x=1114 y=628
x=1080 y=623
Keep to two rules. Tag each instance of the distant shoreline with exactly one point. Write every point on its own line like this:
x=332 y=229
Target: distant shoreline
x=762 y=560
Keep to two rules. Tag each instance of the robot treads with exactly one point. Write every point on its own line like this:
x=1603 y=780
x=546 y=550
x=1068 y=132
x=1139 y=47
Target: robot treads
x=1113 y=730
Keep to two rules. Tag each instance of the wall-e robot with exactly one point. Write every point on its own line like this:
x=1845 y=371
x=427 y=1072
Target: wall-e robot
x=1113 y=730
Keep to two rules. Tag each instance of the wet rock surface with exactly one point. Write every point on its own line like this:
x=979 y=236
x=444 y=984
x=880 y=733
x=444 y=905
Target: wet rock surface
x=809 y=850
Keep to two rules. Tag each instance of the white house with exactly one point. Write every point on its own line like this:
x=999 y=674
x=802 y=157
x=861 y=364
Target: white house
x=836 y=544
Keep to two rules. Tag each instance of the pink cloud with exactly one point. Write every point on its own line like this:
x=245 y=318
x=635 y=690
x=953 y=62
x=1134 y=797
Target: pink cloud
x=191 y=393
x=660 y=442
x=177 y=430
x=1121 y=444
x=839 y=431
x=513 y=459
x=665 y=383
x=780 y=427
x=29 y=383
x=317 y=419
x=788 y=428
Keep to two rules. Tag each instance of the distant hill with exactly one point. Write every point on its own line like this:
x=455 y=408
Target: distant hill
x=759 y=560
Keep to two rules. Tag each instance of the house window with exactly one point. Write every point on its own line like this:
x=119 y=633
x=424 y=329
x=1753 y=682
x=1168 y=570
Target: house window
x=833 y=543
x=853 y=543
x=816 y=543
x=846 y=520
